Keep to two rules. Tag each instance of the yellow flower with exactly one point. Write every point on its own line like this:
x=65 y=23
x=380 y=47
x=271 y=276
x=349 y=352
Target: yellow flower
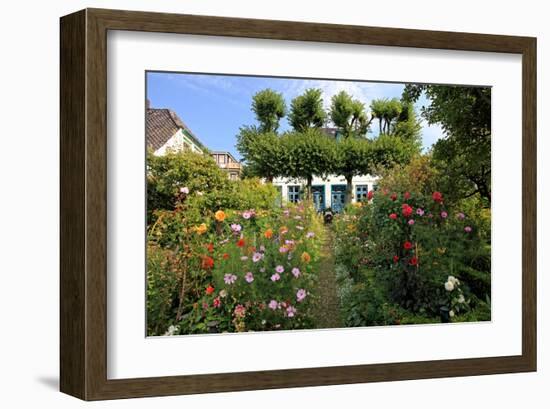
x=357 y=204
x=219 y=215
x=201 y=229
x=306 y=258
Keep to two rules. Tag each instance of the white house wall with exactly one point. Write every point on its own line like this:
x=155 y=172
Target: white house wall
x=362 y=180
x=176 y=143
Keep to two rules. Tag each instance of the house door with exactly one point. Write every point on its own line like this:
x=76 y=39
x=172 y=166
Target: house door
x=338 y=197
x=318 y=197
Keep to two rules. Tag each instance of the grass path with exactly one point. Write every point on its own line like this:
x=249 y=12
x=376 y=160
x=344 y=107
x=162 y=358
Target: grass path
x=327 y=313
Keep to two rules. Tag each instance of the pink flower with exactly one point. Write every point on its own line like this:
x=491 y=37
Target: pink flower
x=283 y=249
x=444 y=214
x=310 y=234
x=229 y=278
x=236 y=228
x=257 y=257
x=420 y=211
x=300 y=295
x=247 y=215
x=393 y=216
x=461 y=216
x=290 y=311
x=279 y=269
x=296 y=272
x=411 y=222
x=275 y=277
x=249 y=277
x=467 y=229
x=273 y=305
x=240 y=311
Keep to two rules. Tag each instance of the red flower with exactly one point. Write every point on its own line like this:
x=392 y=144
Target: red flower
x=407 y=245
x=395 y=259
x=217 y=302
x=210 y=248
x=207 y=262
x=393 y=196
x=240 y=243
x=225 y=256
x=393 y=216
x=370 y=195
x=406 y=210
x=407 y=195
x=209 y=290
x=437 y=197
x=413 y=261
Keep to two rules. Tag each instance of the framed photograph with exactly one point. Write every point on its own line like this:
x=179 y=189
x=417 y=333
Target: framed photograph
x=252 y=204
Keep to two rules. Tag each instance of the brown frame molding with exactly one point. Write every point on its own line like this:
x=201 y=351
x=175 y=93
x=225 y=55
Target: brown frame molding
x=83 y=211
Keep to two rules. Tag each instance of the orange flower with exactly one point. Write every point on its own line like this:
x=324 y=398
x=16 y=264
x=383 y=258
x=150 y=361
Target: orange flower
x=225 y=256
x=209 y=290
x=268 y=234
x=283 y=230
x=220 y=215
x=210 y=248
x=201 y=228
x=207 y=262
x=306 y=258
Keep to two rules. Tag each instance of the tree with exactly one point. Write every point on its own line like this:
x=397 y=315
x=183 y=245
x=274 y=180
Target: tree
x=306 y=111
x=269 y=107
x=354 y=157
x=262 y=152
x=349 y=115
x=310 y=153
x=464 y=155
x=386 y=111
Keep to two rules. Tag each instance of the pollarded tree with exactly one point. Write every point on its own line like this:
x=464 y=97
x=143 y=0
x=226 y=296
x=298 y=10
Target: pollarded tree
x=349 y=115
x=354 y=157
x=269 y=107
x=386 y=111
x=306 y=110
x=261 y=151
x=307 y=154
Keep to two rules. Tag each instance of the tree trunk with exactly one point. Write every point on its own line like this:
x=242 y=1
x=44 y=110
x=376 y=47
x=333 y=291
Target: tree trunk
x=349 y=189
x=308 y=187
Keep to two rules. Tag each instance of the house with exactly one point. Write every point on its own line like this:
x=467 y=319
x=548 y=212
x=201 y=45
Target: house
x=329 y=192
x=228 y=164
x=166 y=131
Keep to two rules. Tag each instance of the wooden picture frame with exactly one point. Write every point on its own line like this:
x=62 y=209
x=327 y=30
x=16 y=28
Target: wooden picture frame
x=83 y=256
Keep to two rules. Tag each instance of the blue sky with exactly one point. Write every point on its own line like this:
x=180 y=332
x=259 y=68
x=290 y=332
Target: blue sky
x=214 y=107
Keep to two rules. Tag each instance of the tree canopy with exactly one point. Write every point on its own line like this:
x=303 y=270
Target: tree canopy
x=349 y=115
x=269 y=107
x=306 y=110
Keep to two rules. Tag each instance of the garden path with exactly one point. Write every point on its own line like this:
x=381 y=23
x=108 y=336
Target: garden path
x=328 y=315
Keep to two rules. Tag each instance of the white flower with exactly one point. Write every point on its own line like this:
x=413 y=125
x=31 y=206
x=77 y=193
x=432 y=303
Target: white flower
x=200 y=193
x=461 y=299
x=184 y=190
x=172 y=329
x=223 y=293
x=449 y=286
x=451 y=313
x=454 y=280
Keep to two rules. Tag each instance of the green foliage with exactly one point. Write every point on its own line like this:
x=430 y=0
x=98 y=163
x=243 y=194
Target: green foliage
x=262 y=152
x=168 y=173
x=464 y=156
x=349 y=115
x=417 y=176
x=389 y=150
x=307 y=154
x=306 y=110
x=269 y=107
x=386 y=111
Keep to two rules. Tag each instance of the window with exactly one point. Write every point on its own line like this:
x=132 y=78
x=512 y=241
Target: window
x=361 y=192
x=375 y=187
x=222 y=159
x=294 y=194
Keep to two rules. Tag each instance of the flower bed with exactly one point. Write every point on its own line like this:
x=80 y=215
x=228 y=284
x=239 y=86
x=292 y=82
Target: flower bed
x=232 y=271
x=407 y=258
